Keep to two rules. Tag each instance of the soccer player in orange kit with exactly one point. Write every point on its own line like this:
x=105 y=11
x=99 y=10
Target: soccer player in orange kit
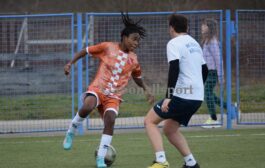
x=118 y=63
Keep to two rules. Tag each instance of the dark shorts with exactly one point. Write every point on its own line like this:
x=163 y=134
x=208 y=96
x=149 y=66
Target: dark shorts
x=180 y=110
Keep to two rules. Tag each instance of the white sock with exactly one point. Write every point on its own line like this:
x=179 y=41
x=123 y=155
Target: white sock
x=104 y=143
x=75 y=123
x=160 y=157
x=189 y=160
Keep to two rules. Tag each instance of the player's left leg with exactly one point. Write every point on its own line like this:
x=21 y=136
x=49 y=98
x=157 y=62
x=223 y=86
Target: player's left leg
x=106 y=138
x=151 y=121
x=176 y=138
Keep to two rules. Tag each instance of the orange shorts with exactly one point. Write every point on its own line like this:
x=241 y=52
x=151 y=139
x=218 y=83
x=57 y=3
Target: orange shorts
x=104 y=102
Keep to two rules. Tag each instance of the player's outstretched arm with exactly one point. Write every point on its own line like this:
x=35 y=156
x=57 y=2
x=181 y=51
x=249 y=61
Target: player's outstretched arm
x=149 y=96
x=77 y=56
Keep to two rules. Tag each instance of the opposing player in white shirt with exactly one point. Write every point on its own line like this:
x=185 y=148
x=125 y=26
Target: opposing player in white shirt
x=185 y=93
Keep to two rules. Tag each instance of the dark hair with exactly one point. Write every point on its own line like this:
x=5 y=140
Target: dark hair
x=212 y=27
x=131 y=26
x=179 y=23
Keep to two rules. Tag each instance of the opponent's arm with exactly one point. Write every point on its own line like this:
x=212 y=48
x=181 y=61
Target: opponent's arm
x=172 y=80
x=173 y=74
x=149 y=96
x=77 y=56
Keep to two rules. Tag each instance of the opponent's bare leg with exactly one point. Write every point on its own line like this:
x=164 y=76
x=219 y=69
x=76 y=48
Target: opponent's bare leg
x=151 y=121
x=176 y=138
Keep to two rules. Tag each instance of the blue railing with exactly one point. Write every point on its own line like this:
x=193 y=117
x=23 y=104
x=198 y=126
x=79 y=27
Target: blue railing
x=31 y=42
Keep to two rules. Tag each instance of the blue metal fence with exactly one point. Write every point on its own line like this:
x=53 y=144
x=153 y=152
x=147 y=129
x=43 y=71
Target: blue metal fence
x=35 y=95
x=250 y=61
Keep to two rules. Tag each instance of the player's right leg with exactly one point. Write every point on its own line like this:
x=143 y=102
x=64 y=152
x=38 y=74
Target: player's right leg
x=151 y=121
x=90 y=102
x=109 y=117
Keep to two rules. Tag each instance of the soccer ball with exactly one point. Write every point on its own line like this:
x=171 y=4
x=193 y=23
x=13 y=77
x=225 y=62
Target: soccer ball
x=110 y=156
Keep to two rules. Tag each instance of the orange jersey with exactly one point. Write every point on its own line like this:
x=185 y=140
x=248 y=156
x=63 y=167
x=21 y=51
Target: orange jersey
x=115 y=69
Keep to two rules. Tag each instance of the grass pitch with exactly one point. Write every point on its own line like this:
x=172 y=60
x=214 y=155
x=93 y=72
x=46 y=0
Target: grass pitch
x=212 y=148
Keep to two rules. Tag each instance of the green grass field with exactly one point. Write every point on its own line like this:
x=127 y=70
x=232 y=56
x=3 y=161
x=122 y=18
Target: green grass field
x=242 y=148
x=58 y=106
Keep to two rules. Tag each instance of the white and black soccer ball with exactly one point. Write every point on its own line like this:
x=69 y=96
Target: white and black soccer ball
x=110 y=156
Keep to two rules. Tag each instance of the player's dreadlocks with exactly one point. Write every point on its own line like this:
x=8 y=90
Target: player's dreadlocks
x=131 y=26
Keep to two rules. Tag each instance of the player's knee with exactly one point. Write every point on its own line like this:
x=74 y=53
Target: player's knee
x=90 y=103
x=147 y=122
x=109 y=118
x=168 y=132
x=89 y=107
x=85 y=111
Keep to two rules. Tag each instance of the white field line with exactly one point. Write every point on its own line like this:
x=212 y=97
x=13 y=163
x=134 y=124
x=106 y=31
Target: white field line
x=133 y=139
x=261 y=134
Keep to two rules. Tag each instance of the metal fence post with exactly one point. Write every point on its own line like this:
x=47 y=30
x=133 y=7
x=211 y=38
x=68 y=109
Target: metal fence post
x=228 y=69
x=79 y=65
x=73 y=68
